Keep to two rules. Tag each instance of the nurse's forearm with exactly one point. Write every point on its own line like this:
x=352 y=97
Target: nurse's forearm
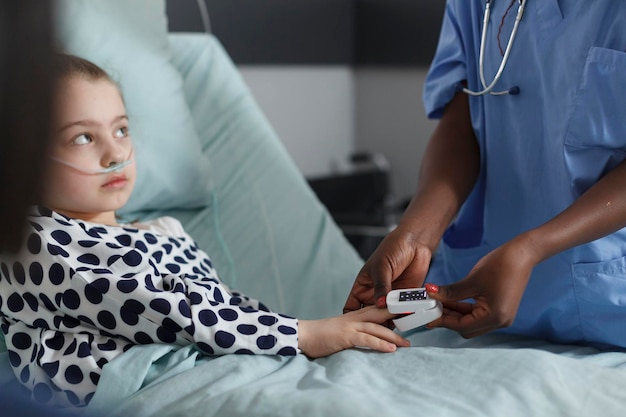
x=449 y=169
x=598 y=212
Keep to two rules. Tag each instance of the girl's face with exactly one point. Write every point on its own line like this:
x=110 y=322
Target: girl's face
x=90 y=131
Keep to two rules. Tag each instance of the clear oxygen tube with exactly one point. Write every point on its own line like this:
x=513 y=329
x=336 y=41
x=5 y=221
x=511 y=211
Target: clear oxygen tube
x=116 y=167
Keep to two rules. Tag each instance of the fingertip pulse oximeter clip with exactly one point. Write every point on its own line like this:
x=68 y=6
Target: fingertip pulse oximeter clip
x=419 y=308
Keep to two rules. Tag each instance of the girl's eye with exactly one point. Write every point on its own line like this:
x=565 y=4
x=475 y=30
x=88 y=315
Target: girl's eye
x=122 y=132
x=82 y=139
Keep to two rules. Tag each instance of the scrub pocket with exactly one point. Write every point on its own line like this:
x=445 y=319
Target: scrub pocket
x=600 y=290
x=595 y=140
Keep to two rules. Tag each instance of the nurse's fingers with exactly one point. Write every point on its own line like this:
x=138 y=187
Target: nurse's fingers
x=459 y=307
x=362 y=293
x=451 y=309
x=467 y=319
x=460 y=290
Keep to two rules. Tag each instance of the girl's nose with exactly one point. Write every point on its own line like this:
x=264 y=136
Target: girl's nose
x=116 y=152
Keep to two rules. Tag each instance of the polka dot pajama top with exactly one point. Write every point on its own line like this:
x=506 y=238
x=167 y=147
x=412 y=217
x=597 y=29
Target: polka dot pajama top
x=79 y=294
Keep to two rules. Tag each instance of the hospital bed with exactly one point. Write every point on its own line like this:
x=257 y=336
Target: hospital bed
x=207 y=155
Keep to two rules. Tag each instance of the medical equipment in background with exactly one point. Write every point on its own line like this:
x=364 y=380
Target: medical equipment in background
x=359 y=200
x=204 y=14
x=488 y=89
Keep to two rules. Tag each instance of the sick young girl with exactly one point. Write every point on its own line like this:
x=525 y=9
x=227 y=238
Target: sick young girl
x=84 y=289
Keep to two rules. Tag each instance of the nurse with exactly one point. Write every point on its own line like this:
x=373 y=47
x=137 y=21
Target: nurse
x=521 y=202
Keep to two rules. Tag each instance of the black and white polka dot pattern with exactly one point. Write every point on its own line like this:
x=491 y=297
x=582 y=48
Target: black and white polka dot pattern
x=79 y=294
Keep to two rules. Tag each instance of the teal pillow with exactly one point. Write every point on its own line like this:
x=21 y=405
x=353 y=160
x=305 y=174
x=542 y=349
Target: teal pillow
x=129 y=40
x=266 y=232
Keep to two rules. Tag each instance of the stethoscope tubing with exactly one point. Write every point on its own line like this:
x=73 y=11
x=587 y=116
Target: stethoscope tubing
x=488 y=89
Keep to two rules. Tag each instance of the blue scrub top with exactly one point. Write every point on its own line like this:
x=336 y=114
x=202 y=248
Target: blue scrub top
x=540 y=150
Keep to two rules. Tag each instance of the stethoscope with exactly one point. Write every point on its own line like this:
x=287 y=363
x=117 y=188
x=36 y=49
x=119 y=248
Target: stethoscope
x=488 y=89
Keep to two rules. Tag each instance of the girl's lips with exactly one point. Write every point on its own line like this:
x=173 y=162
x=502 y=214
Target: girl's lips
x=116 y=181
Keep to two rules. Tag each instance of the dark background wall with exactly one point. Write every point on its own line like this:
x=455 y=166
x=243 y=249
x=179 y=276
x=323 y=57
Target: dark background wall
x=333 y=77
x=348 y=32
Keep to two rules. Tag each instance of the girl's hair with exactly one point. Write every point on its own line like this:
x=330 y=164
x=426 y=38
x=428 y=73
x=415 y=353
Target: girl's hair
x=68 y=66
x=73 y=66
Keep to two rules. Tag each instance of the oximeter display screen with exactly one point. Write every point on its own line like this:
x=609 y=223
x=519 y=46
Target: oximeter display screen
x=412 y=295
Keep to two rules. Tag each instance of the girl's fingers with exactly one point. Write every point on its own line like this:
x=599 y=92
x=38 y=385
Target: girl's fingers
x=383 y=333
x=365 y=340
x=368 y=330
x=374 y=314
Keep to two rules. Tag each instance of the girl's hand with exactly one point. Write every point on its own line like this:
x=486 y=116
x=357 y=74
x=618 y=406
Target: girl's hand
x=496 y=283
x=400 y=261
x=360 y=328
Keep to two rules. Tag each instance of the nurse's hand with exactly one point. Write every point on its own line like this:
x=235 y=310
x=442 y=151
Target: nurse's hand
x=400 y=261
x=496 y=283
